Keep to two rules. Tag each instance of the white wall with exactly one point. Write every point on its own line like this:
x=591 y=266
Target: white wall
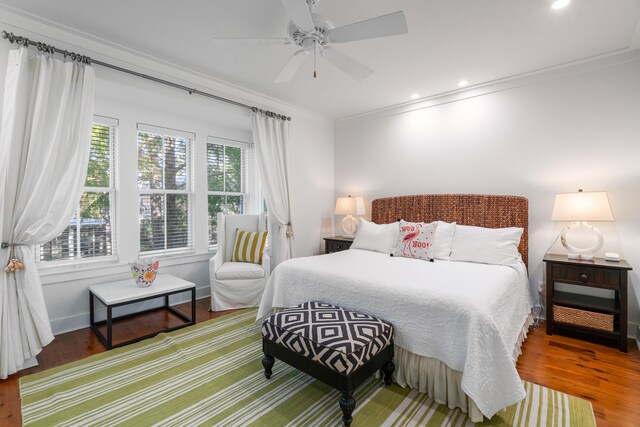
x=132 y=100
x=311 y=186
x=579 y=128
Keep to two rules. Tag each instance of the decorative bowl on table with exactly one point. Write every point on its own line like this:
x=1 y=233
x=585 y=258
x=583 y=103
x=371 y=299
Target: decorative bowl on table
x=144 y=271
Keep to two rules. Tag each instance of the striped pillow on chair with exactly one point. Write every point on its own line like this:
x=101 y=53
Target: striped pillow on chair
x=249 y=246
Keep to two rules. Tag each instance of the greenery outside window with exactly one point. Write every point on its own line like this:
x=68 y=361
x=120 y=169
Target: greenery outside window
x=90 y=234
x=165 y=189
x=230 y=180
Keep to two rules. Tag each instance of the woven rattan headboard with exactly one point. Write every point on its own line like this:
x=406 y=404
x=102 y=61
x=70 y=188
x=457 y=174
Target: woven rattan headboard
x=479 y=210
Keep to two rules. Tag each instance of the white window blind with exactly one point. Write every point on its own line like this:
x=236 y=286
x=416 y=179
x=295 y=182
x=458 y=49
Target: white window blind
x=90 y=232
x=231 y=180
x=164 y=185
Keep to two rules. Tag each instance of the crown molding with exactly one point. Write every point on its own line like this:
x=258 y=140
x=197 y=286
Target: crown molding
x=36 y=27
x=605 y=60
x=51 y=32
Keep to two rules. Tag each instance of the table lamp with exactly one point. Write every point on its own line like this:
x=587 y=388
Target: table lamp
x=580 y=208
x=349 y=206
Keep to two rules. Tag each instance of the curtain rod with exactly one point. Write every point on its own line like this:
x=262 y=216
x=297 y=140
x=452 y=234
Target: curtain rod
x=47 y=48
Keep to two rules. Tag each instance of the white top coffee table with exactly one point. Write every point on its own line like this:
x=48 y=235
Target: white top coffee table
x=124 y=292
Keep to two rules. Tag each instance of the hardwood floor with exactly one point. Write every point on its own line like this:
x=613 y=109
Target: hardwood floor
x=603 y=375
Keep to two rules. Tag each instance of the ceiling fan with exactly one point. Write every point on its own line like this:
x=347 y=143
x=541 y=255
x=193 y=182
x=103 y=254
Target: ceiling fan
x=315 y=34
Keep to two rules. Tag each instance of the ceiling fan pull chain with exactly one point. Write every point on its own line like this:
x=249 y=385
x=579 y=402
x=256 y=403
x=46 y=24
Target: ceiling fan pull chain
x=315 y=51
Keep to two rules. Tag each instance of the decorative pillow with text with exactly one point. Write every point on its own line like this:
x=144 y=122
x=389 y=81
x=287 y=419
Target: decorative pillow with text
x=415 y=240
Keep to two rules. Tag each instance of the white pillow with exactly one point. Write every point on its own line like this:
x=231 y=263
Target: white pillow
x=443 y=240
x=376 y=237
x=487 y=245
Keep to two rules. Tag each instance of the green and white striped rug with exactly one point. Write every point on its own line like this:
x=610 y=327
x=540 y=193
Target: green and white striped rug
x=211 y=374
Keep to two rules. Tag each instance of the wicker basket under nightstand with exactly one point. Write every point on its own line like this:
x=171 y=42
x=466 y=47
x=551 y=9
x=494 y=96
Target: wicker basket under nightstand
x=586 y=318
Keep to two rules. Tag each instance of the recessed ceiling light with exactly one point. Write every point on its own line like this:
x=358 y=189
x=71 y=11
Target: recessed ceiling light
x=559 y=4
x=463 y=83
x=415 y=96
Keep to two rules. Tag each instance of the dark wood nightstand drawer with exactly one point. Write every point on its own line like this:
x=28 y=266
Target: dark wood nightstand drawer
x=333 y=246
x=336 y=244
x=592 y=276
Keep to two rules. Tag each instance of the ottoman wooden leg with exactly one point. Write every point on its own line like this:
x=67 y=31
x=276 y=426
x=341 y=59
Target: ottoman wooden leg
x=347 y=404
x=267 y=362
x=388 y=369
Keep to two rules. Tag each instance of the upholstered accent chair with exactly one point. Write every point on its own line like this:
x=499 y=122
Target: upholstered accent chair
x=236 y=284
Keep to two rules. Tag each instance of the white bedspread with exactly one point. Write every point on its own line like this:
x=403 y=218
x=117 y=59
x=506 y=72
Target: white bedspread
x=467 y=315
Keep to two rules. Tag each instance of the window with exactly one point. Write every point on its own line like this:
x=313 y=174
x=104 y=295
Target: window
x=164 y=185
x=230 y=176
x=90 y=232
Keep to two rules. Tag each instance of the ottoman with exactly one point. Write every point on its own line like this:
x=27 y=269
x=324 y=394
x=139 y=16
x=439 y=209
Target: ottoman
x=339 y=347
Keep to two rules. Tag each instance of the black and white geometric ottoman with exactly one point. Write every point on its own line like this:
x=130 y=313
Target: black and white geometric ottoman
x=339 y=347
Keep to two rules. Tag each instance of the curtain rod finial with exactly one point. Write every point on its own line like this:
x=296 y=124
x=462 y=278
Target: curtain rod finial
x=8 y=36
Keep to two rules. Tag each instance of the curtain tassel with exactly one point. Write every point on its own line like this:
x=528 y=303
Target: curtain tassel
x=289 y=230
x=14 y=263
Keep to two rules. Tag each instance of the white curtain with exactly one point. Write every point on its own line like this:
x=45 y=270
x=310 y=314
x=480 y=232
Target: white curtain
x=270 y=135
x=44 y=150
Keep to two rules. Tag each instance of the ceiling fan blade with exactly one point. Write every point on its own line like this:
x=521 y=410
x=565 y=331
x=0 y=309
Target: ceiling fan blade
x=299 y=12
x=353 y=68
x=291 y=66
x=382 y=26
x=235 y=41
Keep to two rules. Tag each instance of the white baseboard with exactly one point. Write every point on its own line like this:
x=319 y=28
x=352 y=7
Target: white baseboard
x=633 y=330
x=79 y=321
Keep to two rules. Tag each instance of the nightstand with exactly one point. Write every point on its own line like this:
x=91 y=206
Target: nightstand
x=584 y=316
x=337 y=244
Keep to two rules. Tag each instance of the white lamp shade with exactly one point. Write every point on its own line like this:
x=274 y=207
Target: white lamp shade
x=350 y=206
x=582 y=206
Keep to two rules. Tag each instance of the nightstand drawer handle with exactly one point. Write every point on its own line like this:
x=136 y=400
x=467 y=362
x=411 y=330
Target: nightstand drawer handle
x=583 y=276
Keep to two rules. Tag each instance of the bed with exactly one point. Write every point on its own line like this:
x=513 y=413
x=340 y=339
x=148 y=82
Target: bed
x=459 y=325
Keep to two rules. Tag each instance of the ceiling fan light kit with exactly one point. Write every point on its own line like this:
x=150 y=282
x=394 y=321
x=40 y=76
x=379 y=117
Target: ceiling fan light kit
x=314 y=33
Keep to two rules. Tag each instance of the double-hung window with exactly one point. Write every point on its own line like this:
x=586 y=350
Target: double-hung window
x=90 y=233
x=231 y=180
x=165 y=189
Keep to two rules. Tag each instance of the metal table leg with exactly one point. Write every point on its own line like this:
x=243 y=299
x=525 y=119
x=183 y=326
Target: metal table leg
x=193 y=305
x=109 y=328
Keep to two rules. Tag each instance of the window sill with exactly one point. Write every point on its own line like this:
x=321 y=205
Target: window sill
x=168 y=254
x=47 y=268
x=104 y=268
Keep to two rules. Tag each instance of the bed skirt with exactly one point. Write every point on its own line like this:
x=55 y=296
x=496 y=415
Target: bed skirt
x=440 y=382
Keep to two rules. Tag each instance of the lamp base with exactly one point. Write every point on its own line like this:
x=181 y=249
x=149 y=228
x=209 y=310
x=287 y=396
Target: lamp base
x=584 y=254
x=580 y=257
x=349 y=226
